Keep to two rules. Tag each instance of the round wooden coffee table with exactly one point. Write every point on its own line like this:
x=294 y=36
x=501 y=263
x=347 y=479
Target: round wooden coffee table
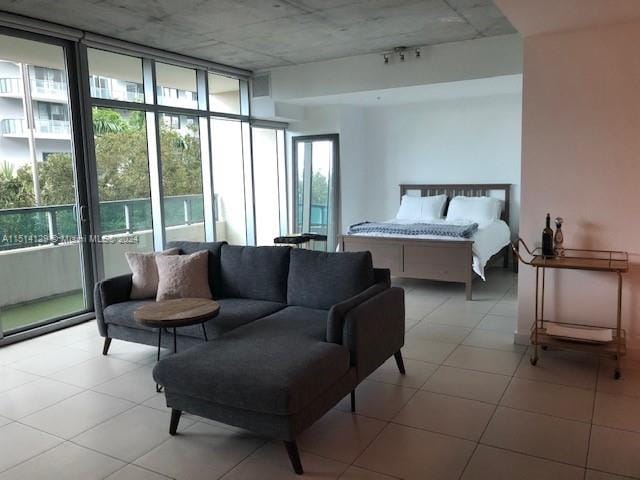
x=179 y=312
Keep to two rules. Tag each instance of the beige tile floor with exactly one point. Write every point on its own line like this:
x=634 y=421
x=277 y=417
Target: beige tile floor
x=470 y=407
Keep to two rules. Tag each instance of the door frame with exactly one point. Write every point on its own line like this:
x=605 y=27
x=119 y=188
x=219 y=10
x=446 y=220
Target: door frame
x=334 y=205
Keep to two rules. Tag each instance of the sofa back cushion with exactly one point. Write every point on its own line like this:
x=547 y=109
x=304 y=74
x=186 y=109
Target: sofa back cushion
x=320 y=280
x=187 y=248
x=259 y=273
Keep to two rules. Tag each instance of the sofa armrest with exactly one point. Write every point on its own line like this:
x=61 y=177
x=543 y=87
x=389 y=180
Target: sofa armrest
x=107 y=292
x=382 y=275
x=374 y=330
x=338 y=313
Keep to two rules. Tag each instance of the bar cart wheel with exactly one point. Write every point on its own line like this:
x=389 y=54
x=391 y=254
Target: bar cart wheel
x=616 y=374
x=533 y=361
x=544 y=347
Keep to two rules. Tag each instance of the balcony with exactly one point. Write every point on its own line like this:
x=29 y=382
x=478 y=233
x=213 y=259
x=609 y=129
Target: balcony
x=117 y=94
x=35 y=242
x=11 y=87
x=13 y=127
x=52 y=128
x=49 y=90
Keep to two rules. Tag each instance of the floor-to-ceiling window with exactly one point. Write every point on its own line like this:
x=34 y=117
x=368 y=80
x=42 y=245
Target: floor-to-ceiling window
x=41 y=255
x=229 y=180
x=269 y=181
x=169 y=153
x=121 y=160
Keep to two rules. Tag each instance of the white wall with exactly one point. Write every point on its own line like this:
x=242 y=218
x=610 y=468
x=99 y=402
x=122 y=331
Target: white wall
x=466 y=140
x=349 y=123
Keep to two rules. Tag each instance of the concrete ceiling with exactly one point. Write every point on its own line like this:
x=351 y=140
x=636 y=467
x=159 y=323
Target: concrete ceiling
x=258 y=34
x=482 y=87
x=547 y=16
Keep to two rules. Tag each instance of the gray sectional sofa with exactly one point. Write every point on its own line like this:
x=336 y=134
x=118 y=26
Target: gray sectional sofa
x=297 y=331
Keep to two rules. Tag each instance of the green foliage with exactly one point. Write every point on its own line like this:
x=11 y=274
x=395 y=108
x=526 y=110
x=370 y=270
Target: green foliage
x=6 y=170
x=108 y=121
x=319 y=189
x=56 y=180
x=123 y=174
x=16 y=191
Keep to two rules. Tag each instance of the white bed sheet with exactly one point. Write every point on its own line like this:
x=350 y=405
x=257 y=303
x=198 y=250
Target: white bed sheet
x=488 y=240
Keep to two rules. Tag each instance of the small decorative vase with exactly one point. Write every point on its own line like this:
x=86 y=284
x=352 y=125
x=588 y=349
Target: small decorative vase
x=558 y=239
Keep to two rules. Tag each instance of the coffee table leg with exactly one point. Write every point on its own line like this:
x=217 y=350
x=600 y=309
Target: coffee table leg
x=159 y=387
x=175 y=341
x=204 y=332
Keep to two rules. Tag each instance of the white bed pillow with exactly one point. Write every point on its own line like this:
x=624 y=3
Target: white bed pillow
x=432 y=207
x=410 y=208
x=421 y=209
x=481 y=210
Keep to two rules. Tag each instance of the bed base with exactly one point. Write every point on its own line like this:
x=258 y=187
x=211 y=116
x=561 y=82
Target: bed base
x=442 y=260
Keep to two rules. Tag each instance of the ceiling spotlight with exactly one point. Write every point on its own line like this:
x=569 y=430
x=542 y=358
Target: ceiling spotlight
x=386 y=58
x=417 y=53
x=402 y=56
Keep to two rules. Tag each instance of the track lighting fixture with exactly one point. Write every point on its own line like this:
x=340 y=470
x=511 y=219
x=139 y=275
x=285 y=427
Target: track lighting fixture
x=401 y=53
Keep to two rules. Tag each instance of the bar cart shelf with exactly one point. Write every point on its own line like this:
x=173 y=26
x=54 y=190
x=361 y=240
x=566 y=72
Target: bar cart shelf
x=596 y=340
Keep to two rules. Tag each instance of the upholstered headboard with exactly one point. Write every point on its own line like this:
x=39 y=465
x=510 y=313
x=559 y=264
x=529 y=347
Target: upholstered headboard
x=501 y=191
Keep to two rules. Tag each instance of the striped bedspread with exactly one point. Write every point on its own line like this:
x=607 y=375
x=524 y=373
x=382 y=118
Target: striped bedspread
x=437 y=229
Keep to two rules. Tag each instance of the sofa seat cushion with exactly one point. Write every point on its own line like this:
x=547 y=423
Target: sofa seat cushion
x=234 y=312
x=276 y=365
x=321 y=280
x=122 y=313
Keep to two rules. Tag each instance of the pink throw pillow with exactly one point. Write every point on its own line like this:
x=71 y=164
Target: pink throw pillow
x=183 y=276
x=144 y=283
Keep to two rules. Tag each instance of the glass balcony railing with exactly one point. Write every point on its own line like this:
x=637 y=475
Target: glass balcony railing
x=32 y=226
x=48 y=89
x=117 y=94
x=13 y=126
x=10 y=85
x=18 y=126
x=56 y=127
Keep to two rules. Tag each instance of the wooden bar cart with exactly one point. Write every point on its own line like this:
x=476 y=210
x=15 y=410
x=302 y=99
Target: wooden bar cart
x=601 y=341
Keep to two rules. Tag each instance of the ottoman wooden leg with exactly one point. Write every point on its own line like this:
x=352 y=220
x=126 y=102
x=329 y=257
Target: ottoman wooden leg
x=175 y=418
x=294 y=456
x=399 y=361
x=107 y=344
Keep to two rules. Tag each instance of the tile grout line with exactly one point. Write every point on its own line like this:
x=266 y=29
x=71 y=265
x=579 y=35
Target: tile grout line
x=593 y=412
x=484 y=430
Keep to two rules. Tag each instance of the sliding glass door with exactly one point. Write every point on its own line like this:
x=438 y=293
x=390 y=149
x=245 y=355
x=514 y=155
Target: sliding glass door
x=315 y=186
x=42 y=257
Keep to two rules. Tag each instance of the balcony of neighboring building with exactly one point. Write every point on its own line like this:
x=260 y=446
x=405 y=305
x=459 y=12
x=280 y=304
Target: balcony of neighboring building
x=10 y=87
x=49 y=90
x=44 y=129
x=14 y=128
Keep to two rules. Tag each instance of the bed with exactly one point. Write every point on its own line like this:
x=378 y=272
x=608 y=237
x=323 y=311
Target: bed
x=448 y=259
